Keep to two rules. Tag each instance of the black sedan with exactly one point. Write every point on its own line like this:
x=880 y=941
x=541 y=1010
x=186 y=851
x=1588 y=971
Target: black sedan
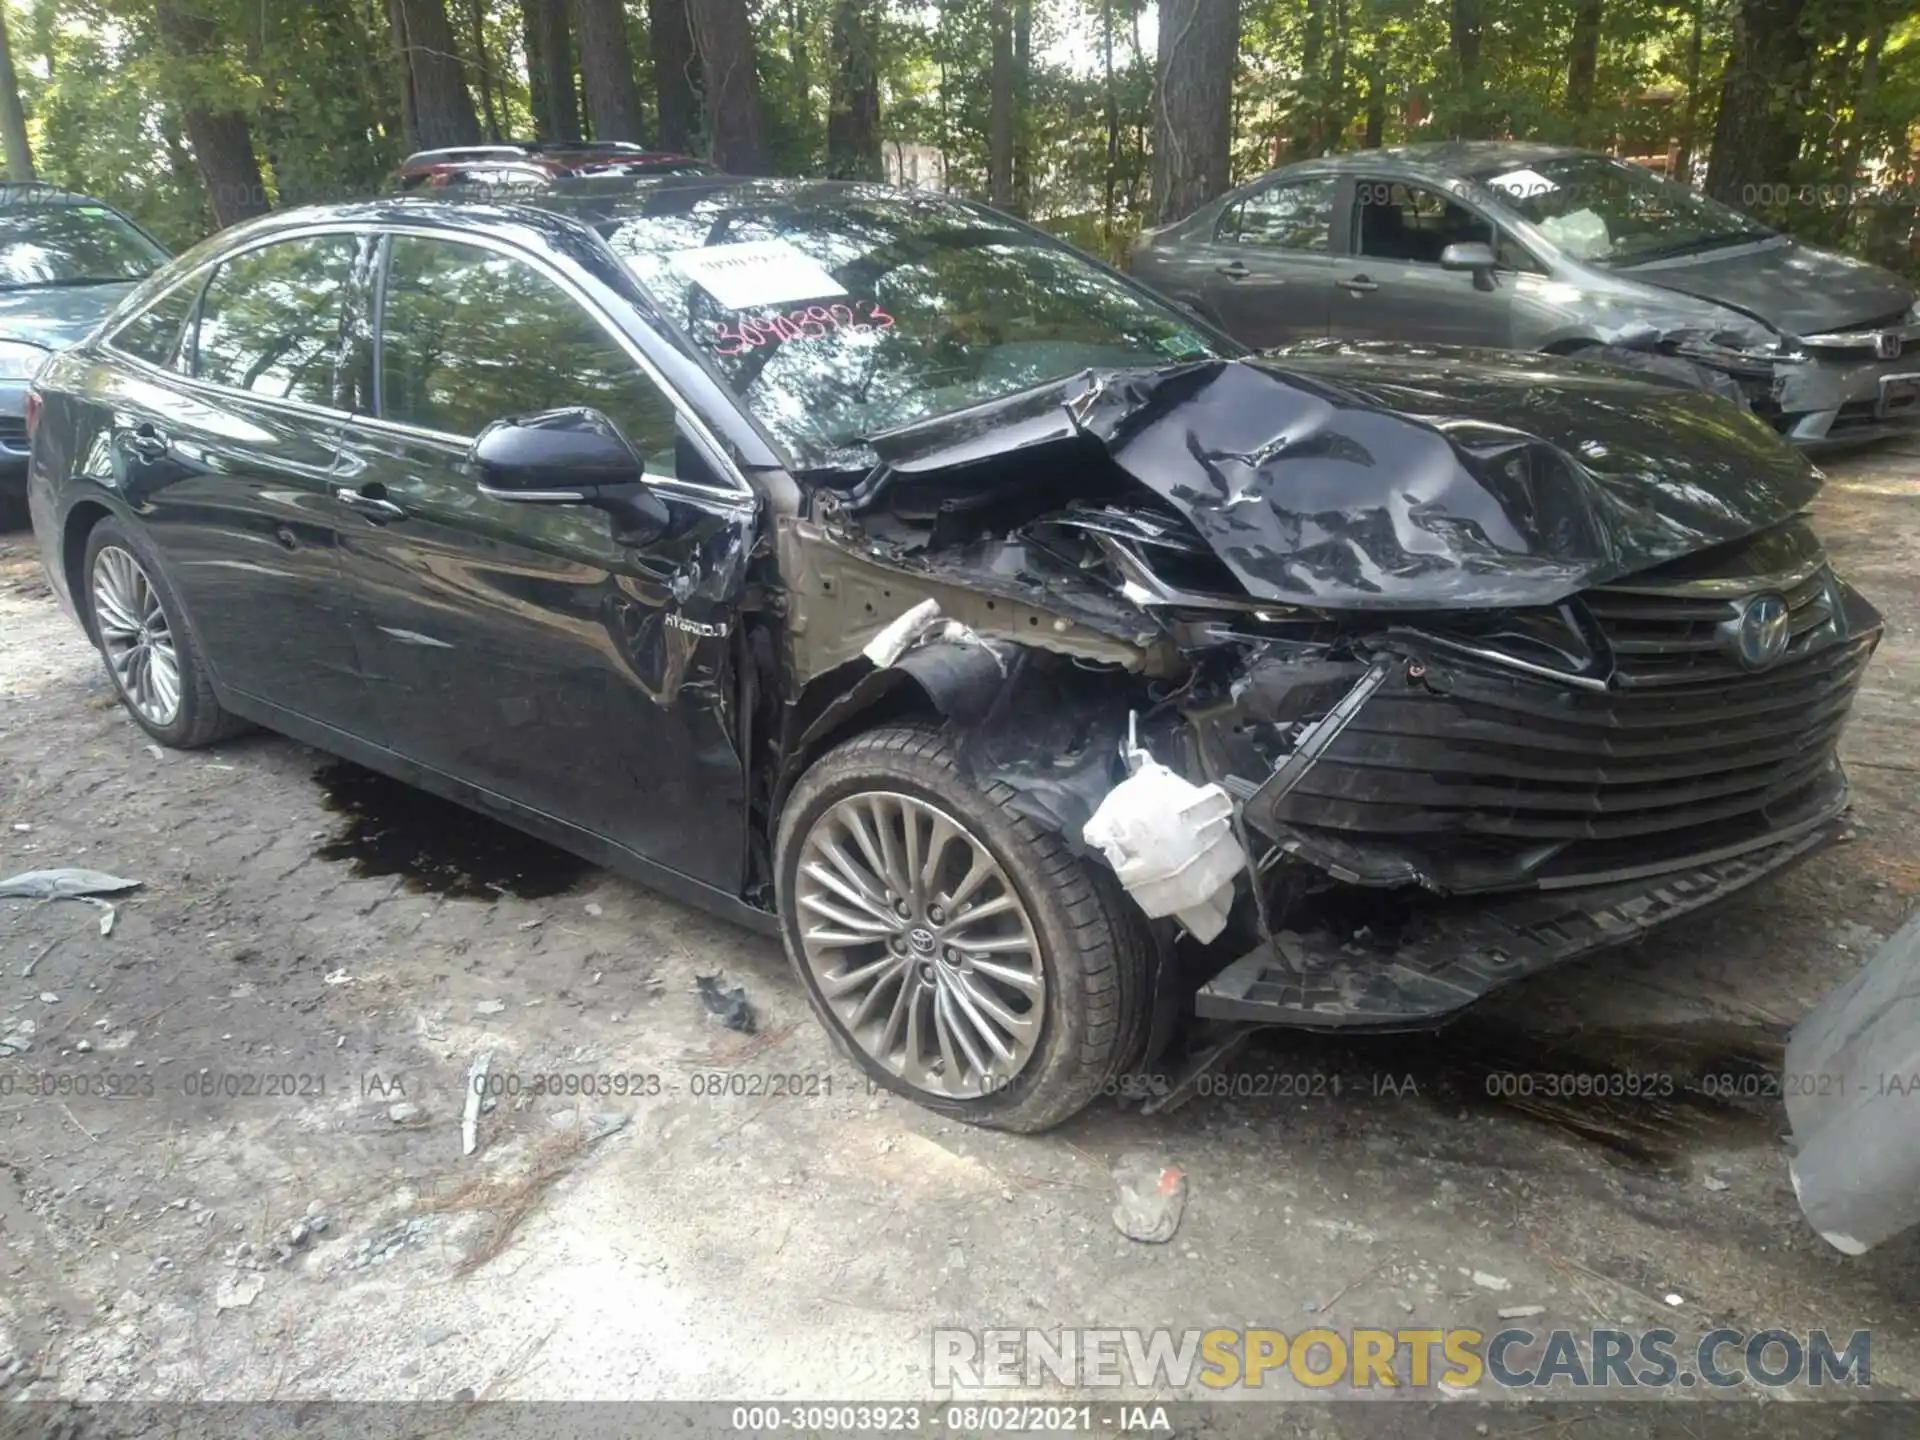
x=874 y=568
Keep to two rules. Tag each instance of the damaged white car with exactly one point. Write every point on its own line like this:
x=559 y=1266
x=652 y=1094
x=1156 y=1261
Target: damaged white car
x=1048 y=670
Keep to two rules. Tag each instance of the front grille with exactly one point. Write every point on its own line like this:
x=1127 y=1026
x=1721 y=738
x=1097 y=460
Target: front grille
x=1479 y=767
x=1663 y=638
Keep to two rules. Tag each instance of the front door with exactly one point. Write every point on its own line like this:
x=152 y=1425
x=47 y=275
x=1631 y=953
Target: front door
x=519 y=647
x=232 y=473
x=1392 y=287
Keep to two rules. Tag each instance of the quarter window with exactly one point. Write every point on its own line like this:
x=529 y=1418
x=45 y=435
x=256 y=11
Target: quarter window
x=274 y=320
x=1295 y=216
x=154 y=334
x=470 y=336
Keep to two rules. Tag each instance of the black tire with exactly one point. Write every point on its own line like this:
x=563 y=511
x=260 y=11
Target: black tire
x=1095 y=946
x=199 y=719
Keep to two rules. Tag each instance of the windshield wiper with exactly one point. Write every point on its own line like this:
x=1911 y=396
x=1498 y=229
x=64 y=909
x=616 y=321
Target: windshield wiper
x=1694 y=247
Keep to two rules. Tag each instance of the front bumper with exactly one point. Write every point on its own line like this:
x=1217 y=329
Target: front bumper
x=14 y=452
x=1453 y=953
x=1430 y=821
x=1842 y=398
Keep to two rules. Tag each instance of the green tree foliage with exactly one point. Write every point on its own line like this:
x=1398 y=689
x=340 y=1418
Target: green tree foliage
x=322 y=86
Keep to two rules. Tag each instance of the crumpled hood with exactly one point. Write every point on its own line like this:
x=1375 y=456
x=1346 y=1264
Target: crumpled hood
x=1409 y=478
x=56 y=316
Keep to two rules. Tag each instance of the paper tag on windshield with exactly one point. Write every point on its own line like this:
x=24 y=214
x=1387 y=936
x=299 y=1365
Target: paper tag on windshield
x=756 y=273
x=1523 y=183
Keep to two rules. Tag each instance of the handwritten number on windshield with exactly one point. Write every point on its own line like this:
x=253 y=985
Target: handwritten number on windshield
x=812 y=323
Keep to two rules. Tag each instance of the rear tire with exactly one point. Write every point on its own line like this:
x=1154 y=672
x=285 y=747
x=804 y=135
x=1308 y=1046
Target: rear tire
x=1006 y=949
x=142 y=633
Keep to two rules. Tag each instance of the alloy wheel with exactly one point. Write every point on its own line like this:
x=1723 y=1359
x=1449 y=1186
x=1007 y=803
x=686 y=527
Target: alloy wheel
x=136 y=636
x=920 y=944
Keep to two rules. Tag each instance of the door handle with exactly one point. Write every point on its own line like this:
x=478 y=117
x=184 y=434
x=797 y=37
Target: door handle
x=1358 y=285
x=148 y=443
x=1233 y=270
x=374 y=507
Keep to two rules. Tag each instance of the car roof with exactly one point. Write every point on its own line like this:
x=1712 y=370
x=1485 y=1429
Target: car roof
x=559 y=209
x=42 y=194
x=1444 y=158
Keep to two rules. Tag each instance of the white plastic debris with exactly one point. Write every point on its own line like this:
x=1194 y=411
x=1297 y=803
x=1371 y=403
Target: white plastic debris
x=70 y=884
x=1171 y=843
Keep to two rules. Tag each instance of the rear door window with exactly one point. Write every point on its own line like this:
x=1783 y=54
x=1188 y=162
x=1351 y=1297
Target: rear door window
x=274 y=321
x=154 y=334
x=470 y=336
x=1295 y=215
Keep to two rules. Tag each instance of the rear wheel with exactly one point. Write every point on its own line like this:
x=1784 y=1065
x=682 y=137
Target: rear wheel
x=143 y=637
x=957 y=951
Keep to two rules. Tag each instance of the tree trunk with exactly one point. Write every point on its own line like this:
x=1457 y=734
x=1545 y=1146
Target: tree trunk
x=1331 y=118
x=13 y=117
x=1302 y=139
x=1376 y=102
x=1193 y=104
x=1690 y=137
x=1000 y=100
x=1863 y=95
x=1583 y=56
x=221 y=140
x=853 y=107
x=435 y=79
x=1466 y=25
x=1757 y=137
x=606 y=70
x=1111 y=101
x=483 y=60
x=556 y=101
x=723 y=37
x=676 y=69
x=1022 y=109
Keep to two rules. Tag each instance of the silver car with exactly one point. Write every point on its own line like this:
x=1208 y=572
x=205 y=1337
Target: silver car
x=1541 y=247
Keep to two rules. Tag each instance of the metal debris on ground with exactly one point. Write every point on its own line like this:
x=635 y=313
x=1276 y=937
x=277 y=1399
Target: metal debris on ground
x=470 y=1117
x=730 y=1007
x=1150 y=1197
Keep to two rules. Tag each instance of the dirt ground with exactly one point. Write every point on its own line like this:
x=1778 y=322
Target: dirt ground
x=717 y=1237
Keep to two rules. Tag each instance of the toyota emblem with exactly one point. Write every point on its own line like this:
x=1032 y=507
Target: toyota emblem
x=1758 y=636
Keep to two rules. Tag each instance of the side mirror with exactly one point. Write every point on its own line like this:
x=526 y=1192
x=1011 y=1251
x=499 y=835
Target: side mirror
x=569 y=457
x=1474 y=255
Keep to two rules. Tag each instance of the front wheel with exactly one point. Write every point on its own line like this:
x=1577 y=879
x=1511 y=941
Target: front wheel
x=143 y=637
x=957 y=951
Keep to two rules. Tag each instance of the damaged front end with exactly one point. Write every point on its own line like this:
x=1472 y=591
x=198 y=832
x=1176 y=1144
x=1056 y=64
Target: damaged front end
x=1385 y=706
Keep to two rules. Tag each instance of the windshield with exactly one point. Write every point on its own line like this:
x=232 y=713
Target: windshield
x=835 y=316
x=1597 y=208
x=71 y=245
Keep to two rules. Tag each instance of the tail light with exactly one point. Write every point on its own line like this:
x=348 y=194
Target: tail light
x=33 y=413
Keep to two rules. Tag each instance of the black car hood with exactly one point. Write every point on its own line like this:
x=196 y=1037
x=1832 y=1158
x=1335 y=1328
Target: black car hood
x=1797 y=289
x=1403 y=478
x=56 y=316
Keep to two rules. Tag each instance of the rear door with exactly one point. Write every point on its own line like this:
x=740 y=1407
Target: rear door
x=1392 y=287
x=1271 y=268
x=228 y=450
x=518 y=647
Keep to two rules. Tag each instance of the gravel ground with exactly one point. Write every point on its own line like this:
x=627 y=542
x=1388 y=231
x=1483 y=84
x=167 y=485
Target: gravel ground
x=697 y=1229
